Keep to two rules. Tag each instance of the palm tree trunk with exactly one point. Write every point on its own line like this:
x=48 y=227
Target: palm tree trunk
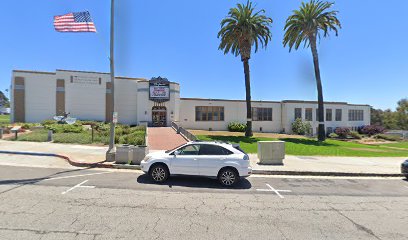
x=321 y=131
x=248 y=132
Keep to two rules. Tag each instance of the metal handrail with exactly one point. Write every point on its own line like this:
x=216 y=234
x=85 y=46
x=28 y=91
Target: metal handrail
x=183 y=132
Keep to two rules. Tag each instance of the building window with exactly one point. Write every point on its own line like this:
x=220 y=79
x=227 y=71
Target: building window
x=356 y=115
x=338 y=114
x=209 y=113
x=329 y=115
x=309 y=114
x=329 y=130
x=298 y=113
x=261 y=114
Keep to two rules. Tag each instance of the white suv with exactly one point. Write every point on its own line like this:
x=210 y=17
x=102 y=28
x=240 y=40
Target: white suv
x=224 y=161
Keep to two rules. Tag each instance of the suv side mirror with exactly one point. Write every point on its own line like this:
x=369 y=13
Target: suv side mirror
x=177 y=152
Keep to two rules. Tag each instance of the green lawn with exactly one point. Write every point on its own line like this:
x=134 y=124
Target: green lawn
x=4 y=119
x=311 y=147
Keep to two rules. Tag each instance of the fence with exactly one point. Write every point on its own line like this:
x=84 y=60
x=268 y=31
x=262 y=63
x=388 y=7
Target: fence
x=183 y=132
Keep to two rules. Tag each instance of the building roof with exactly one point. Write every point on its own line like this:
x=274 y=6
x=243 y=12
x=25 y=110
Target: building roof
x=284 y=101
x=78 y=71
x=228 y=100
x=35 y=72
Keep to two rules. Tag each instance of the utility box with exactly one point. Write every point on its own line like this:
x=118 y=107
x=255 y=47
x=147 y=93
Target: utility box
x=139 y=153
x=124 y=154
x=271 y=152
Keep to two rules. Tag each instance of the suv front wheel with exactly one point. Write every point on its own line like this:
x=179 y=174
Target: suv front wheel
x=228 y=177
x=159 y=173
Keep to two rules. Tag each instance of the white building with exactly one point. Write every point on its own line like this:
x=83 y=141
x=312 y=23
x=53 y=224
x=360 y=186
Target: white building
x=37 y=96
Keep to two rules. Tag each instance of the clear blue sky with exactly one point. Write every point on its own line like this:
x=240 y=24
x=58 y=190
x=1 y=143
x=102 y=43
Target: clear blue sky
x=367 y=63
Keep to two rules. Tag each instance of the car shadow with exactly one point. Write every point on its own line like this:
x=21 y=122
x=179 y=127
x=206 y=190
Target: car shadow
x=194 y=182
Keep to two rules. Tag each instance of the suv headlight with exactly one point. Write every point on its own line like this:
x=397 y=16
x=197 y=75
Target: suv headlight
x=147 y=158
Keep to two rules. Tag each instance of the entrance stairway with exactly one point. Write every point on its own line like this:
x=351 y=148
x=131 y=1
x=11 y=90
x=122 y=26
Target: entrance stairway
x=163 y=138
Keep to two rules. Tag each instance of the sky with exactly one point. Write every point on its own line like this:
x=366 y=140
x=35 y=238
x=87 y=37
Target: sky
x=366 y=64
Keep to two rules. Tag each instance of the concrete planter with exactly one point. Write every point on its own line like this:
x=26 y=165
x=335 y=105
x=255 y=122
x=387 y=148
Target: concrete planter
x=271 y=152
x=139 y=152
x=124 y=154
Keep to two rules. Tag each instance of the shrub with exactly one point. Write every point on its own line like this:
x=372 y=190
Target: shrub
x=333 y=135
x=371 y=130
x=48 y=122
x=64 y=128
x=388 y=137
x=237 y=127
x=355 y=135
x=342 y=132
x=301 y=128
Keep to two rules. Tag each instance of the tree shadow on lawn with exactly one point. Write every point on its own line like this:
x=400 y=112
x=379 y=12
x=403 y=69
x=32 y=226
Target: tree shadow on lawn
x=311 y=142
x=235 y=139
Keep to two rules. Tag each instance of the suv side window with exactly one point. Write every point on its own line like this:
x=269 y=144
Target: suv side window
x=207 y=149
x=189 y=150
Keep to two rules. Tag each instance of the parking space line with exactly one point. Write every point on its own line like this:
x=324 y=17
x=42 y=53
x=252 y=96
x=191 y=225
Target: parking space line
x=271 y=189
x=78 y=186
x=74 y=176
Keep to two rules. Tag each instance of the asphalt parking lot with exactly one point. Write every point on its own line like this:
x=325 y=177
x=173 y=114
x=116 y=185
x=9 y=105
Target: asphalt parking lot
x=43 y=203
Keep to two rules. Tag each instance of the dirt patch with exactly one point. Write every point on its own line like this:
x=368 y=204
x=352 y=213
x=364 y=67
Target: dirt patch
x=256 y=134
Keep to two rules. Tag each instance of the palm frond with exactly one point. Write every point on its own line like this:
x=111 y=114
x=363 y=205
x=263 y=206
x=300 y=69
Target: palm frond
x=243 y=28
x=312 y=20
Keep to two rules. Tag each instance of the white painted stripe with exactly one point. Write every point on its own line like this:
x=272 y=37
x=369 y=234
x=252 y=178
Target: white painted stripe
x=74 y=187
x=74 y=176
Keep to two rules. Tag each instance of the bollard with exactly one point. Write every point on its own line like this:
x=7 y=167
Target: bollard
x=49 y=139
x=1 y=133
x=16 y=135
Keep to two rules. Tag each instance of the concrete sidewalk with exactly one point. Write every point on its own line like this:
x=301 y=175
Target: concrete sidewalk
x=76 y=153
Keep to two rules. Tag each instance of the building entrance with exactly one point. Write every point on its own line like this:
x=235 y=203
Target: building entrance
x=159 y=116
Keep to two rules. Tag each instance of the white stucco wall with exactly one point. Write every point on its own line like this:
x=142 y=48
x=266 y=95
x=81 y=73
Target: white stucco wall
x=234 y=111
x=126 y=100
x=40 y=95
x=85 y=101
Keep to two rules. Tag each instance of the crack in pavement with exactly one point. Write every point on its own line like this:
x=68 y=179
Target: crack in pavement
x=358 y=226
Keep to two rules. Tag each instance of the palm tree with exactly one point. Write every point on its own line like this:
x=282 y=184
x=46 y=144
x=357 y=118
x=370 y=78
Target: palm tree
x=305 y=26
x=240 y=30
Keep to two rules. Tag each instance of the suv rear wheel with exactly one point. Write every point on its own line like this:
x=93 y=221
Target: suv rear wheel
x=228 y=177
x=159 y=173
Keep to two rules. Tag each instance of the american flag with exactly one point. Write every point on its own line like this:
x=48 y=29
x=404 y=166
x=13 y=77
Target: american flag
x=74 y=22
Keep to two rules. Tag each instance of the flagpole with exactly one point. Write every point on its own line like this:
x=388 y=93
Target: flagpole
x=112 y=76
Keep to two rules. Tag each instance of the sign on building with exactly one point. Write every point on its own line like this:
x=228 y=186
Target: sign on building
x=159 y=89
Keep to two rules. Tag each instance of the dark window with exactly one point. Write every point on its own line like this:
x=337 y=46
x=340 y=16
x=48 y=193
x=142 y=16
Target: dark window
x=329 y=115
x=338 y=114
x=356 y=115
x=317 y=114
x=207 y=149
x=309 y=114
x=298 y=113
x=209 y=113
x=261 y=114
x=189 y=150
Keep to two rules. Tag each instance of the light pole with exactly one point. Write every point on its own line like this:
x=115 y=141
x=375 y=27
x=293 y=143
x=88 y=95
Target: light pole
x=112 y=75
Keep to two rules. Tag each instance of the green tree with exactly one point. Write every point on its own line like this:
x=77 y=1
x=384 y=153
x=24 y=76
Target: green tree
x=305 y=26
x=402 y=114
x=4 y=101
x=240 y=31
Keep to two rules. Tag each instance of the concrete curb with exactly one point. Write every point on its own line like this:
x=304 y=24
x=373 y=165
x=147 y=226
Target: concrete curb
x=254 y=171
x=333 y=174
